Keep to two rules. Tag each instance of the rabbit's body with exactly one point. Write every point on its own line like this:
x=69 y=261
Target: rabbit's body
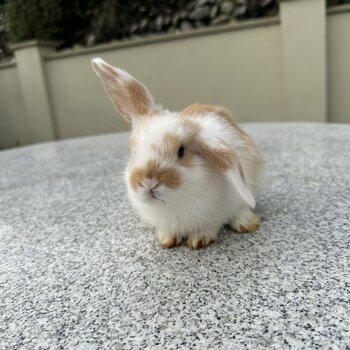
x=190 y=172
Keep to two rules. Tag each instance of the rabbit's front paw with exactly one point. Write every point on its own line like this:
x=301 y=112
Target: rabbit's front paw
x=200 y=240
x=169 y=240
x=246 y=221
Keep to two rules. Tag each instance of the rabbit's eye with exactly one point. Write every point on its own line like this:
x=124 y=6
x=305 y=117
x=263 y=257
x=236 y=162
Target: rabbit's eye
x=181 y=152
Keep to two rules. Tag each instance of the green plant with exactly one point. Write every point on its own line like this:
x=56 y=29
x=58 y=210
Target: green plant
x=4 y=49
x=62 y=20
x=113 y=18
x=33 y=19
x=87 y=22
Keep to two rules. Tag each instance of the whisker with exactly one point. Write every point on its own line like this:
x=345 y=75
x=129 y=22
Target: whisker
x=117 y=128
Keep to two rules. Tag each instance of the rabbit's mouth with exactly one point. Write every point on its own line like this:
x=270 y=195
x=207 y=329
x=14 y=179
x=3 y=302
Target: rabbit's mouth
x=153 y=193
x=153 y=196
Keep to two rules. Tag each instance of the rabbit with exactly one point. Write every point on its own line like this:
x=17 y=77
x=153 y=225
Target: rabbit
x=190 y=172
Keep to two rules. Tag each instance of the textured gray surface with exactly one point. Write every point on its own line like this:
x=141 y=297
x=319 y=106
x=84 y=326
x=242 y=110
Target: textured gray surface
x=79 y=270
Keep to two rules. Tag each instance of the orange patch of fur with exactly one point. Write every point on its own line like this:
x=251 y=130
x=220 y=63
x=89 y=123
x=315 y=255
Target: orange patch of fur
x=222 y=158
x=139 y=98
x=130 y=98
x=167 y=176
x=198 y=110
x=171 y=145
x=191 y=127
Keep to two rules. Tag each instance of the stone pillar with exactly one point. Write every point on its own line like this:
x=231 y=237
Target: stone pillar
x=303 y=29
x=29 y=57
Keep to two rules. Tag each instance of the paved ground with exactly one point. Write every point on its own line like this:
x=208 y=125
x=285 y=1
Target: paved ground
x=79 y=270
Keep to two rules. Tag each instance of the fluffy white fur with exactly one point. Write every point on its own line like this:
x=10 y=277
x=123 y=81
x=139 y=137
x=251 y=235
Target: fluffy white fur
x=206 y=198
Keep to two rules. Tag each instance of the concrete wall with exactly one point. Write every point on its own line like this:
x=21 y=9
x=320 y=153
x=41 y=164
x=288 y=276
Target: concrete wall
x=232 y=68
x=12 y=112
x=338 y=55
x=304 y=59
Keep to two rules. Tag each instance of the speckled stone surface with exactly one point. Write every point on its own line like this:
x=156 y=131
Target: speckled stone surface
x=78 y=270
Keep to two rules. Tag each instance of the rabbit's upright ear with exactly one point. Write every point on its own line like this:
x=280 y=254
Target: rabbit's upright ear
x=128 y=95
x=223 y=158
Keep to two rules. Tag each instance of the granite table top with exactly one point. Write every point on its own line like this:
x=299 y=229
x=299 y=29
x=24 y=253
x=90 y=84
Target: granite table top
x=79 y=270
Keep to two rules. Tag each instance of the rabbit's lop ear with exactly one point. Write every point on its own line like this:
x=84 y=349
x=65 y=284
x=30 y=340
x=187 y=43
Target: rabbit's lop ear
x=128 y=95
x=223 y=158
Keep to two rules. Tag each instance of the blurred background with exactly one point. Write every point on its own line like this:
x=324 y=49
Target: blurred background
x=265 y=60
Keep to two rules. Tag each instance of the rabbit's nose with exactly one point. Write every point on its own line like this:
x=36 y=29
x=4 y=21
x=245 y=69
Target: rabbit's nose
x=150 y=184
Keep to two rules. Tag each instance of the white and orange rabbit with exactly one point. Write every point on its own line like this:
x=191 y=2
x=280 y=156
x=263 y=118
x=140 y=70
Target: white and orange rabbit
x=190 y=172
